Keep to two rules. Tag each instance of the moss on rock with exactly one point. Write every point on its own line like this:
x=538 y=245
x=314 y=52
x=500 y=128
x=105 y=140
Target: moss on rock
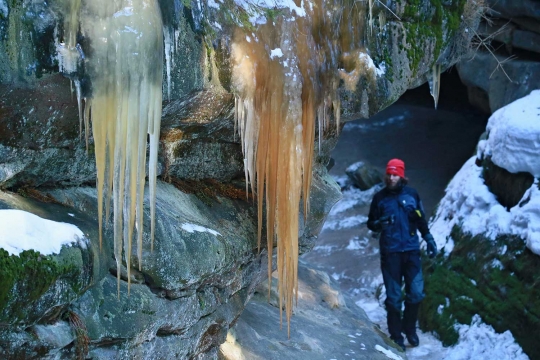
x=24 y=280
x=431 y=29
x=496 y=279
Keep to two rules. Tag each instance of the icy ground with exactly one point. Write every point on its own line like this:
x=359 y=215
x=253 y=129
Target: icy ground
x=434 y=150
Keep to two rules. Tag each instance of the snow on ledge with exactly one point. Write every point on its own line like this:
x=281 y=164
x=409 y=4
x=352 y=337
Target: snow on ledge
x=514 y=135
x=190 y=228
x=21 y=230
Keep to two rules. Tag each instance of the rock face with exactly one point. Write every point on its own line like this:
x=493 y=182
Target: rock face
x=204 y=266
x=326 y=325
x=512 y=71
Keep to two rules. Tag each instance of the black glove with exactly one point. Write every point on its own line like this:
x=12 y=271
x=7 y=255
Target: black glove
x=431 y=246
x=381 y=223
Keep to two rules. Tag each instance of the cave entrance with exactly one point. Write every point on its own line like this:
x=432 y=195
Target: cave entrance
x=433 y=143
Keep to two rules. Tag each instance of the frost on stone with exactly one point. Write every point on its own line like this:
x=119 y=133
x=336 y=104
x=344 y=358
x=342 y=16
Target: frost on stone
x=124 y=67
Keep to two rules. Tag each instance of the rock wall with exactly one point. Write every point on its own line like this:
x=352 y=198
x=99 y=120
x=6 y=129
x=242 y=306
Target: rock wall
x=204 y=265
x=512 y=69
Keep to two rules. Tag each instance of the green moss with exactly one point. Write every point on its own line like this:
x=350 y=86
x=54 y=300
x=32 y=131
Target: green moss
x=202 y=303
x=425 y=29
x=25 y=278
x=495 y=279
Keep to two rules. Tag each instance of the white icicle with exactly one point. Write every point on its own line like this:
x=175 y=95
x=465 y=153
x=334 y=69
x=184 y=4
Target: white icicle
x=435 y=83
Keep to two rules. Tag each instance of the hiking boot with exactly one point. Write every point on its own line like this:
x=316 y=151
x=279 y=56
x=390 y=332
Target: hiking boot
x=400 y=343
x=412 y=338
x=409 y=323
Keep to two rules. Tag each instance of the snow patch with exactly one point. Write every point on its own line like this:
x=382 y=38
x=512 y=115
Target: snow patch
x=357 y=244
x=325 y=249
x=256 y=8
x=366 y=126
x=479 y=341
x=389 y=354
x=190 y=228
x=212 y=4
x=21 y=230
x=345 y=223
x=4 y=8
x=276 y=53
x=354 y=167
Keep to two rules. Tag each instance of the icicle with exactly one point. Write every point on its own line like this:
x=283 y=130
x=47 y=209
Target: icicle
x=67 y=53
x=278 y=104
x=382 y=20
x=168 y=58
x=435 y=83
x=79 y=105
x=370 y=21
x=86 y=122
x=125 y=68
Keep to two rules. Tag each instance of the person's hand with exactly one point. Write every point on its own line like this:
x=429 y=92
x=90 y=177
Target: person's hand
x=383 y=222
x=431 y=246
x=386 y=220
x=379 y=225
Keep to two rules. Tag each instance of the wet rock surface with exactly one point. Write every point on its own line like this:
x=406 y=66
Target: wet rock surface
x=326 y=324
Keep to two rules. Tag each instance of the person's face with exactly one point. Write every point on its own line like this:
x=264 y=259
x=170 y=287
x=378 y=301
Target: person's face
x=392 y=181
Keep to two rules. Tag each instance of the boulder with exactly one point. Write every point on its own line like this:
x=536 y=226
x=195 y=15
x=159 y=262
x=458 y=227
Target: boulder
x=516 y=24
x=193 y=285
x=510 y=9
x=363 y=175
x=482 y=72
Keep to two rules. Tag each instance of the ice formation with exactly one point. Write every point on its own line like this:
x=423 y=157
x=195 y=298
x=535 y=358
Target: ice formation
x=285 y=78
x=435 y=83
x=125 y=70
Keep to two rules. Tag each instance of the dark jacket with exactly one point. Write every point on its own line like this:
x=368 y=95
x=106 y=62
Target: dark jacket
x=406 y=207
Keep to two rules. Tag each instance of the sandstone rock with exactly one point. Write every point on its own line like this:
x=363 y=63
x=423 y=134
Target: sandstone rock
x=513 y=37
x=197 y=280
x=198 y=138
x=510 y=9
x=481 y=72
x=527 y=24
x=204 y=266
x=526 y=40
x=325 y=325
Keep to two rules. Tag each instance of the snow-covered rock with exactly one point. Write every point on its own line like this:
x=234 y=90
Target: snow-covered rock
x=514 y=144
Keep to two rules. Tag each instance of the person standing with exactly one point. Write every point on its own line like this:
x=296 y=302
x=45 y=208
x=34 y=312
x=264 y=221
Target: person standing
x=396 y=212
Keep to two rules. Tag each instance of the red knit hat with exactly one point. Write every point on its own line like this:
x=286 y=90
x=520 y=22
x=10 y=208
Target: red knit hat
x=396 y=167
